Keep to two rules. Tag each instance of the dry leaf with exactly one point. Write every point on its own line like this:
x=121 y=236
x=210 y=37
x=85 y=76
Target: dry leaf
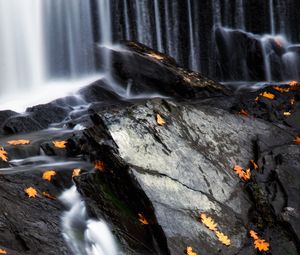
x=3 y=251
x=281 y=90
x=155 y=56
x=244 y=113
x=239 y=171
x=208 y=222
x=287 y=113
x=76 y=172
x=99 y=165
x=47 y=195
x=267 y=95
x=48 y=175
x=159 y=120
x=292 y=101
x=297 y=140
x=189 y=251
x=18 y=142
x=3 y=154
x=247 y=175
x=142 y=219
x=223 y=238
x=253 y=234
x=293 y=83
x=261 y=245
x=255 y=166
x=60 y=144
x=31 y=192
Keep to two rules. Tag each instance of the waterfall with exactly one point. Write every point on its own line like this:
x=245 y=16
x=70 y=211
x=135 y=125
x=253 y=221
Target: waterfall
x=158 y=26
x=127 y=24
x=272 y=20
x=193 y=56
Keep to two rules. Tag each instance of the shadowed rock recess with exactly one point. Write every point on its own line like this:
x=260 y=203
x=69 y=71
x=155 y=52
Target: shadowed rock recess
x=170 y=174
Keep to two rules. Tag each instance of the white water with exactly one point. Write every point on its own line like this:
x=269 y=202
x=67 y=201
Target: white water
x=83 y=235
x=193 y=56
x=158 y=25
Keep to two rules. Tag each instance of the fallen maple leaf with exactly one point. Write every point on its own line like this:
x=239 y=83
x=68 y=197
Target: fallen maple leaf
x=3 y=154
x=253 y=234
x=297 y=140
x=31 y=192
x=281 y=90
x=18 y=142
x=48 y=175
x=76 y=172
x=293 y=83
x=142 y=219
x=255 y=166
x=189 y=251
x=3 y=251
x=208 y=222
x=159 y=120
x=60 y=144
x=267 y=95
x=261 y=245
x=244 y=113
x=247 y=175
x=223 y=238
x=239 y=171
x=47 y=195
x=99 y=165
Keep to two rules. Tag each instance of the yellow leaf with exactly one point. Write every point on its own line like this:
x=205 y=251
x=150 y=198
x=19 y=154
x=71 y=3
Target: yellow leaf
x=159 y=120
x=223 y=238
x=60 y=144
x=3 y=154
x=18 y=142
x=267 y=95
x=253 y=234
x=281 y=90
x=155 y=56
x=189 y=251
x=287 y=113
x=31 y=192
x=47 y=195
x=261 y=245
x=99 y=165
x=48 y=175
x=255 y=166
x=3 y=251
x=76 y=172
x=297 y=140
x=142 y=219
x=208 y=222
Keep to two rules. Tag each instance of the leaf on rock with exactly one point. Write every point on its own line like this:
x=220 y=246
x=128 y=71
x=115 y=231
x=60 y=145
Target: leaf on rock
x=3 y=154
x=31 y=192
x=297 y=140
x=208 y=222
x=76 y=172
x=244 y=113
x=47 y=195
x=244 y=175
x=292 y=101
x=223 y=238
x=155 y=56
x=142 y=219
x=253 y=234
x=48 y=175
x=189 y=251
x=60 y=144
x=287 y=113
x=253 y=163
x=267 y=95
x=281 y=90
x=159 y=120
x=3 y=251
x=18 y=142
x=293 y=83
x=99 y=165
x=261 y=245
x=247 y=175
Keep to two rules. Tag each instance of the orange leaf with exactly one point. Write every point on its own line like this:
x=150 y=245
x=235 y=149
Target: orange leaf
x=244 y=113
x=48 y=175
x=223 y=238
x=18 y=142
x=3 y=154
x=76 y=172
x=47 y=195
x=293 y=83
x=208 y=222
x=267 y=95
x=297 y=139
x=189 y=251
x=142 y=219
x=253 y=234
x=261 y=245
x=247 y=175
x=3 y=251
x=255 y=166
x=281 y=90
x=99 y=165
x=31 y=192
x=60 y=144
x=159 y=120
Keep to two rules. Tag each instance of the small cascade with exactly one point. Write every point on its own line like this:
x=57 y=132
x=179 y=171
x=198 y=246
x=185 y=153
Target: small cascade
x=272 y=18
x=158 y=26
x=83 y=235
